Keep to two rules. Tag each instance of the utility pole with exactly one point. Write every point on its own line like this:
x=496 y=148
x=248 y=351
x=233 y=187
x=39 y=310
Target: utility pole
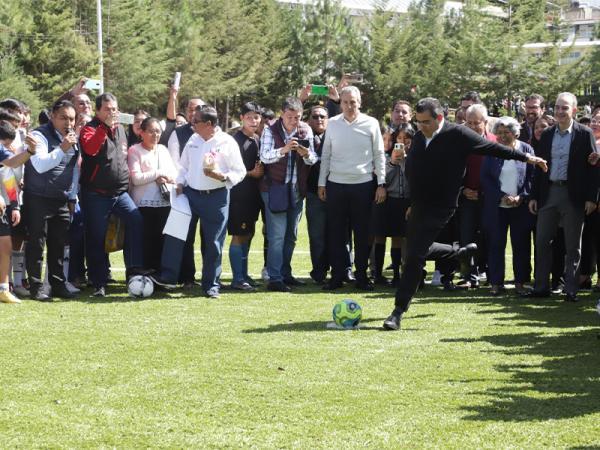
x=99 y=24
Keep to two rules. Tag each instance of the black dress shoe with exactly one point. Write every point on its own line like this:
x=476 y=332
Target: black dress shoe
x=364 y=285
x=278 y=286
x=294 y=282
x=450 y=286
x=381 y=280
x=392 y=322
x=332 y=285
x=571 y=298
x=534 y=293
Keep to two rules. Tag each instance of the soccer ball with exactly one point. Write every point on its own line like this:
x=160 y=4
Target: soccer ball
x=347 y=314
x=140 y=286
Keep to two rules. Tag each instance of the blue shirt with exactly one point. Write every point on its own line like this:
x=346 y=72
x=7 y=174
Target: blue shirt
x=561 y=144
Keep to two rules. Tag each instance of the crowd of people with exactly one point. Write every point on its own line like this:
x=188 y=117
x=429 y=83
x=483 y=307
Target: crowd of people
x=442 y=191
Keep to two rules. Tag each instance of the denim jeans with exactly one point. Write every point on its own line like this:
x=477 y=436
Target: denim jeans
x=96 y=210
x=282 y=232
x=213 y=210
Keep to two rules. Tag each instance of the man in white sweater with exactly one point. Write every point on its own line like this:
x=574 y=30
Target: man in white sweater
x=352 y=163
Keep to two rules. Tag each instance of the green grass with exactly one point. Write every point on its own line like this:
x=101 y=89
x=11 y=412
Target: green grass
x=261 y=370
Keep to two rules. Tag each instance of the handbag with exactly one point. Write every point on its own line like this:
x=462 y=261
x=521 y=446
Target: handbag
x=279 y=197
x=165 y=192
x=115 y=235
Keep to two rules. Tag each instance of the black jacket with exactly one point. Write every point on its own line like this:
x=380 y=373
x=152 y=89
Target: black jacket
x=435 y=174
x=582 y=178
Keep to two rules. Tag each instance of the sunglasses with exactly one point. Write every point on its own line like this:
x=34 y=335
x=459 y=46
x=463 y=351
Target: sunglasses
x=317 y=117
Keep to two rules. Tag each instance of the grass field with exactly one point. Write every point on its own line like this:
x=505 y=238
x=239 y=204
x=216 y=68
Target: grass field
x=261 y=370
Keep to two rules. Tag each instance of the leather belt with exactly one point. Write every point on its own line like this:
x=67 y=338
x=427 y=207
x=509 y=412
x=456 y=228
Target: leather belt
x=559 y=182
x=208 y=191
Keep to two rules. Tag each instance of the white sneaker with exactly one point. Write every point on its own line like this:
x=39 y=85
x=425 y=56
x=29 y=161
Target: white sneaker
x=21 y=291
x=265 y=274
x=436 y=280
x=7 y=297
x=72 y=289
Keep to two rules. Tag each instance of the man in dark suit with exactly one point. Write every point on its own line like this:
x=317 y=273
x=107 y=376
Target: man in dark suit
x=565 y=194
x=436 y=167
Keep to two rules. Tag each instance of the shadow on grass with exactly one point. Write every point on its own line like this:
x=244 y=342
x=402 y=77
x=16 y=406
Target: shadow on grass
x=319 y=325
x=564 y=384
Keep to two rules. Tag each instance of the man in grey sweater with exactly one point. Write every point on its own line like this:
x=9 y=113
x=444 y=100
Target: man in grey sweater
x=352 y=157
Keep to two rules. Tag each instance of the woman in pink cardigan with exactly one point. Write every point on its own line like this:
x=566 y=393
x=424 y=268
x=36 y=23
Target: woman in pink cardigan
x=151 y=170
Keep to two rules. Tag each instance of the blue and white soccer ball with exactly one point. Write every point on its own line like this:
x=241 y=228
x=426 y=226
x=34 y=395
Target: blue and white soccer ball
x=140 y=286
x=347 y=314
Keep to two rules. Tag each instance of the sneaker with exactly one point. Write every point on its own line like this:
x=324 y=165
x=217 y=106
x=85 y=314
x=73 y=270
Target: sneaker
x=436 y=280
x=61 y=291
x=99 y=292
x=251 y=281
x=162 y=283
x=21 y=291
x=264 y=274
x=7 y=297
x=242 y=286
x=213 y=292
x=71 y=288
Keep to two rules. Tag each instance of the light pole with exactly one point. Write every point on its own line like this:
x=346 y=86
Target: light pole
x=99 y=24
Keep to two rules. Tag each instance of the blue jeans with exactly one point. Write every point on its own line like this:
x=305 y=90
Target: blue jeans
x=282 y=232
x=97 y=208
x=213 y=210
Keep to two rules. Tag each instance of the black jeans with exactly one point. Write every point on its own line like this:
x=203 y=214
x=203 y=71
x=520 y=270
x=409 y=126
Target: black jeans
x=47 y=221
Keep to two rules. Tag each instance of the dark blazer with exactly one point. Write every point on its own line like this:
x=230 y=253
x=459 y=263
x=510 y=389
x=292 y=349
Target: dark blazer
x=582 y=178
x=435 y=173
x=490 y=183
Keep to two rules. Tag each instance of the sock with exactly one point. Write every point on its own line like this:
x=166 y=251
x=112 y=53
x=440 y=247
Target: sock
x=396 y=260
x=236 y=255
x=66 y=258
x=379 y=255
x=4 y=287
x=18 y=260
x=245 y=251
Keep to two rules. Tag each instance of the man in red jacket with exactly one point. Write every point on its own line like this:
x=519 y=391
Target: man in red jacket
x=104 y=185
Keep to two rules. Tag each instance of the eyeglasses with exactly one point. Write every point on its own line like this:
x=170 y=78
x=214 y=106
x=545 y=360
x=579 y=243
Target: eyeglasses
x=317 y=117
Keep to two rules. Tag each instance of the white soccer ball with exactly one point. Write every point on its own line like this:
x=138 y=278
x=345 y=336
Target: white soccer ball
x=140 y=286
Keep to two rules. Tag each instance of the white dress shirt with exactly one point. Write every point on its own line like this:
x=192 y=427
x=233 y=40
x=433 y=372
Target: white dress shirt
x=228 y=161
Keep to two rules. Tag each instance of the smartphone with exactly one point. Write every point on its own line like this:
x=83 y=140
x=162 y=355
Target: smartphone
x=399 y=149
x=92 y=84
x=354 y=77
x=176 y=80
x=126 y=119
x=319 y=89
x=303 y=142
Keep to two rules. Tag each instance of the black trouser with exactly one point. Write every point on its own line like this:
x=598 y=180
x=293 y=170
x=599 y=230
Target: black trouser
x=47 y=221
x=424 y=225
x=154 y=223
x=470 y=213
x=349 y=205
